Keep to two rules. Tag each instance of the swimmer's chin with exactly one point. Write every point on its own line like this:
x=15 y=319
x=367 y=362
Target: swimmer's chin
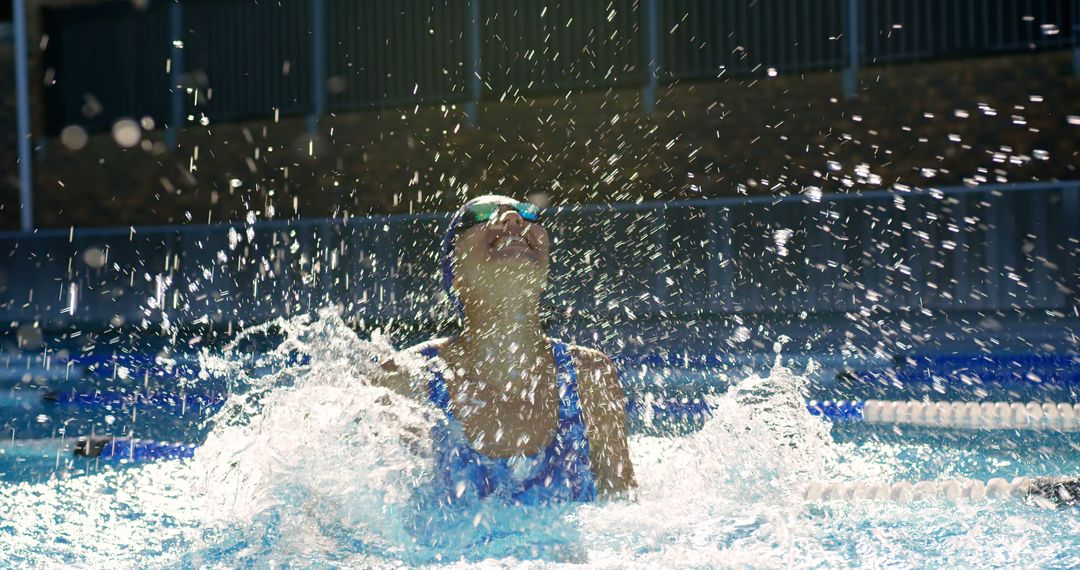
x=513 y=247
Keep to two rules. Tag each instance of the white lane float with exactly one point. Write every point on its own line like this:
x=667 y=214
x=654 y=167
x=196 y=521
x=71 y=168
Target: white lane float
x=1050 y=492
x=1036 y=416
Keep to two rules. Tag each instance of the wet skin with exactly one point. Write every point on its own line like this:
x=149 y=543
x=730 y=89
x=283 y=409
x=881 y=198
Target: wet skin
x=500 y=371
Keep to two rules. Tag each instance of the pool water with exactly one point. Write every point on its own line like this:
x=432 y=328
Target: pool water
x=305 y=465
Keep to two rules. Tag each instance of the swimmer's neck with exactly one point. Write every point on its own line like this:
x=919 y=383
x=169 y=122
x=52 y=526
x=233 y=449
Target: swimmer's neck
x=504 y=331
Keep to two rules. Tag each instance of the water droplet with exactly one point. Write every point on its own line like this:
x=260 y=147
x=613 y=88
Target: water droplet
x=94 y=257
x=1049 y=29
x=74 y=137
x=126 y=133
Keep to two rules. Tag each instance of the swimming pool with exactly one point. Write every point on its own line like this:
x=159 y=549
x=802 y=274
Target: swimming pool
x=300 y=466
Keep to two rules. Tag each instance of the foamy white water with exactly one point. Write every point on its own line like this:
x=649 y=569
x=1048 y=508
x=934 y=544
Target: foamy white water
x=310 y=465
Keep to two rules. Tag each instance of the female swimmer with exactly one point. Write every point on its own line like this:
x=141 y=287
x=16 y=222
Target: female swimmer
x=529 y=418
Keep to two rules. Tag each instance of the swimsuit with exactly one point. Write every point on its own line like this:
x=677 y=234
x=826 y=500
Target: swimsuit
x=559 y=473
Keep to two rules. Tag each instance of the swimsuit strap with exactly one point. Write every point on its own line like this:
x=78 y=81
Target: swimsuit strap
x=437 y=391
x=567 y=457
x=572 y=438
x=565 y=383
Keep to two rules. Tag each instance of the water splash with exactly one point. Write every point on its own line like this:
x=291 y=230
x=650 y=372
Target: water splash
x=308 y=464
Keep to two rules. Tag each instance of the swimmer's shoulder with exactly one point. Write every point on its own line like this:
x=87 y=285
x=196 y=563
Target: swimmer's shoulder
x=604 y=404
x=596 y=372
x=406 y=372
x=585 y=357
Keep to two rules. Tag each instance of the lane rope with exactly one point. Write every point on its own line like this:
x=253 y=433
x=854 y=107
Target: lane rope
x=131 y=449
x=1043 y=491
x=103 y=447
x=1036 y=416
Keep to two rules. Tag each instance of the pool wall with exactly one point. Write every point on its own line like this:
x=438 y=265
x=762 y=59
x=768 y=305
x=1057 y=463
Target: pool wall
x=1010 y=247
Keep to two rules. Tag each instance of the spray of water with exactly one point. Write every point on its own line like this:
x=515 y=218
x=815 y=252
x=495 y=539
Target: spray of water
x=310 y=464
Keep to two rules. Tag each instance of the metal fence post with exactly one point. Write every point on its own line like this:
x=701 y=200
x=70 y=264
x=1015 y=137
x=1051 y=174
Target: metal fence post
x=176 y=72
x=1076 y=37
x=475 y=83
x=318 y=65
x=852 y=69
x=22 y=111
x=651 y=22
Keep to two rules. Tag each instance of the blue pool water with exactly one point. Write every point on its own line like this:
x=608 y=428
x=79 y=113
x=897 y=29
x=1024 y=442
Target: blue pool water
x=303 y=465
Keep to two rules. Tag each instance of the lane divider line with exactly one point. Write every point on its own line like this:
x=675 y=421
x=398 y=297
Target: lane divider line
x=103 y=447
x=1037 y=416
x=1043 y=491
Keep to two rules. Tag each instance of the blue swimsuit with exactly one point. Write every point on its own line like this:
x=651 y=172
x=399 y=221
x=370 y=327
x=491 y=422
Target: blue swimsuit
x=559 y=473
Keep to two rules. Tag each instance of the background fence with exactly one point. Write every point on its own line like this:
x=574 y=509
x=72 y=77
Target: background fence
x=987 y=248
x=230 y=59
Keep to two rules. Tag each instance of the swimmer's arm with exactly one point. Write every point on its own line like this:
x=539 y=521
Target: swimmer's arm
x=397 y=375
x=604 y=405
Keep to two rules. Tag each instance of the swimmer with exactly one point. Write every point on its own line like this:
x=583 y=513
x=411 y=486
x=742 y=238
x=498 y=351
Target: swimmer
x=528 y=418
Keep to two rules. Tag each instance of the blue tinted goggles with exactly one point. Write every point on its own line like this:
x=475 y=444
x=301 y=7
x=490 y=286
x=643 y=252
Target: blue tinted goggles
x=483 y=212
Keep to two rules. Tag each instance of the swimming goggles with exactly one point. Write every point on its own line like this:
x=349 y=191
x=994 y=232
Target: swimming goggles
x=482 y=212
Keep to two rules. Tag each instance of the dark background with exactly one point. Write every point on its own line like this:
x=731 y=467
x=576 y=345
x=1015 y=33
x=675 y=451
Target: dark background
x=560 y=109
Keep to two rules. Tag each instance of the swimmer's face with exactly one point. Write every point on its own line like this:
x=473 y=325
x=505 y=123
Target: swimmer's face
x=504 y=253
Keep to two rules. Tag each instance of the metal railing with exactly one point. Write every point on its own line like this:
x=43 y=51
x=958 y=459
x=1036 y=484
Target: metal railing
x=994 y=247
x=230 y=59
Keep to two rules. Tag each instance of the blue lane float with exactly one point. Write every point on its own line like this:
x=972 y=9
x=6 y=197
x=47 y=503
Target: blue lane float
x=993 y=369
x=988 y=375
x=688 y=360
x=1060 y=416
x=1038 y=416
x=1056 y=416
x=162 y=401
x=837 y=410
x=107 y=448
x=982 y=361
x=661 y=409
